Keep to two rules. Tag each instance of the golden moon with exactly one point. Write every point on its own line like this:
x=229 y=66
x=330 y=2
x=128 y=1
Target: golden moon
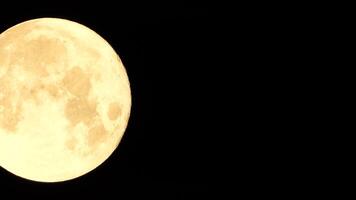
x=65 y=100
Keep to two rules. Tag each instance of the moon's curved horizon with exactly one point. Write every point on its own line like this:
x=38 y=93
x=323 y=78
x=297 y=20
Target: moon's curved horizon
x=65 y=100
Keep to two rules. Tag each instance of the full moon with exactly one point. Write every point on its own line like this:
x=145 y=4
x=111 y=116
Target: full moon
x=65 y=100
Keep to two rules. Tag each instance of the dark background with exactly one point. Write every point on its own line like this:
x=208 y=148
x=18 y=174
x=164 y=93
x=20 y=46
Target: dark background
x=169 y=148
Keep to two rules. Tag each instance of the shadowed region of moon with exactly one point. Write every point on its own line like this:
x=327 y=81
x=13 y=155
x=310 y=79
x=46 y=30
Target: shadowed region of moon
x=11 y=116
x=71 y=143
x=80 y=110
x=10 y=110
x=97 y=134
x=64 y=98
x=38 y=53
x=114 y=111
x=77 y=82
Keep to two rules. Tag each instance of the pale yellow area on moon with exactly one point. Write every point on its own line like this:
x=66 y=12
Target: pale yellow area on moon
x=65 y=100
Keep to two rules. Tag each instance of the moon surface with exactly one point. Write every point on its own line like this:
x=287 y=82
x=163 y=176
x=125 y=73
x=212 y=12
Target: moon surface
x=65 y=100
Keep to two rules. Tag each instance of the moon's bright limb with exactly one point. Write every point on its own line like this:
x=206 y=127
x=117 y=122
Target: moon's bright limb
x=65 y=100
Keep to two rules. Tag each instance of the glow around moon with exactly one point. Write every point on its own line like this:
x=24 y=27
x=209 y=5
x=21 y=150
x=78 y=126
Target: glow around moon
x=65 y=100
